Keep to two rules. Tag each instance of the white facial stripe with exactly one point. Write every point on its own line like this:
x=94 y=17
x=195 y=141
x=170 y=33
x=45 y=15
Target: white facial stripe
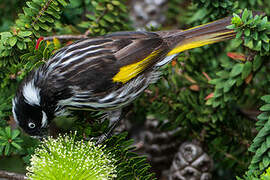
x=31 y=93
x=44 y=121
x=13 y=110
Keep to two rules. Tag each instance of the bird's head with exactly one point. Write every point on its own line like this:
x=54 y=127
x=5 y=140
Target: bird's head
x=28 y=112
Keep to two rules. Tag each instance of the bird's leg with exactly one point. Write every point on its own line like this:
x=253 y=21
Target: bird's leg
x=115 y=118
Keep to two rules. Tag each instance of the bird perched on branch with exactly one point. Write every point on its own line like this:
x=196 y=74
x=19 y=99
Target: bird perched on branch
x=104 y=73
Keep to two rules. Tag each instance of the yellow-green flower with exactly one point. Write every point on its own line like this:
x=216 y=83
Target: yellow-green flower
x=67 y=159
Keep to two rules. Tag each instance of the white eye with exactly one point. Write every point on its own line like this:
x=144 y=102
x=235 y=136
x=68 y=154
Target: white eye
x=31 y=125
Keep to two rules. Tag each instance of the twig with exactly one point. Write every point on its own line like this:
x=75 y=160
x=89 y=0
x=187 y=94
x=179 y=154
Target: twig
x=44 y=8
x=96 y=21
x=80 y=36
x=230 y=156
x=12 y=175
x=65 y=37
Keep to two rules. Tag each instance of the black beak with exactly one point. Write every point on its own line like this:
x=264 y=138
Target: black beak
x=42 y=134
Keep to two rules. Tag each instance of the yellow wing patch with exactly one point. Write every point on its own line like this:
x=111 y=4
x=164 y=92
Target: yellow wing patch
x=132 y=70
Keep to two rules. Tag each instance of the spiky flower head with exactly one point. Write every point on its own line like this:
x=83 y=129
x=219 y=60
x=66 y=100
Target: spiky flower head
x=266 y=175
x=65 y=158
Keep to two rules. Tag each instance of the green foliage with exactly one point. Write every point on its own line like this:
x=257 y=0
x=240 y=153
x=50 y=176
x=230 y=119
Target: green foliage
x=36 y=19
x=232 y=80
x=128 y=164
x=65 y=158
x=5 y=101
x=254 y=30
x=8 y=13
x=261 y=143
x=9 y=141
x=265 y=175
x=206 y=11
x=106 y=16
x=176 y=12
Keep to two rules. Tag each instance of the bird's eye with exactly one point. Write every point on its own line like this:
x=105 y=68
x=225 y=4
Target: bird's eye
x=31 y=125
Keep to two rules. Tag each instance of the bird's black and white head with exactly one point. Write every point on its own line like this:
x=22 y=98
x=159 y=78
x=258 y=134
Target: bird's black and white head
x=27 y=109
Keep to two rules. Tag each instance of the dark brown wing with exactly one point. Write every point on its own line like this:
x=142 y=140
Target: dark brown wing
x=90 y=65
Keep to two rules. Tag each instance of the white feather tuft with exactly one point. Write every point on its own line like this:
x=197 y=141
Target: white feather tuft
x=31 y=93
x=166 y=60
x=14 y=101
x=44 y=121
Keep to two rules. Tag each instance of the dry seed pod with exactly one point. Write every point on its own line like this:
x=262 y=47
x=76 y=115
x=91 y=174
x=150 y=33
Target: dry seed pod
x=147 y=13
x=191 y=163
x=159 y=146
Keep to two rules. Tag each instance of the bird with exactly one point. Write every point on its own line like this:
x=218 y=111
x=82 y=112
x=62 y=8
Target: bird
x=104 y=73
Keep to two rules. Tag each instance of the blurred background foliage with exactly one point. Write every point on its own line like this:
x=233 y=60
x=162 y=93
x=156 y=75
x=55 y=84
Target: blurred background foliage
x=211 y=95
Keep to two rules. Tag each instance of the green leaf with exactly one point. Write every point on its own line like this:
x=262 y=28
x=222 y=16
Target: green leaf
x=255 y=35
x=63 y=2
x=249 y=43
x=232 y=26
x=100 y=8
x=263 y=116
x=257 y=63
x=91 y=17
x=236 y=70
x=247 y=32
x=228 y=84
x=12 y=41
x=265 y=107
x=24 y=33
x=28 y=11
x=20 y=45
x=7 y=148
x=246 y=70
x=8 y=131
x=245 y=15
x=44 y=26
x=109 y=18
x=266 y=98
x=236 y=42
x=266 y=46
x=53 y=13
x=17 y=146
x=116 y=3
x=266 y=161
x=14 y=133
x=268 y=141
x=223 y=74
x=32 y=5
x=258 y=46
x=239 y=34
x=236 y=21
x=110 y=7
x=264 y=37
x=5 y=35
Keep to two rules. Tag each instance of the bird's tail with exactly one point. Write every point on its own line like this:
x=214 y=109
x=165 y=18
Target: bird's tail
x=202 y=35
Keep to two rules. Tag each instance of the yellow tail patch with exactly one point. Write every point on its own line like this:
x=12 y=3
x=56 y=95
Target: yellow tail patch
x=207 y=39
x=132 y=70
